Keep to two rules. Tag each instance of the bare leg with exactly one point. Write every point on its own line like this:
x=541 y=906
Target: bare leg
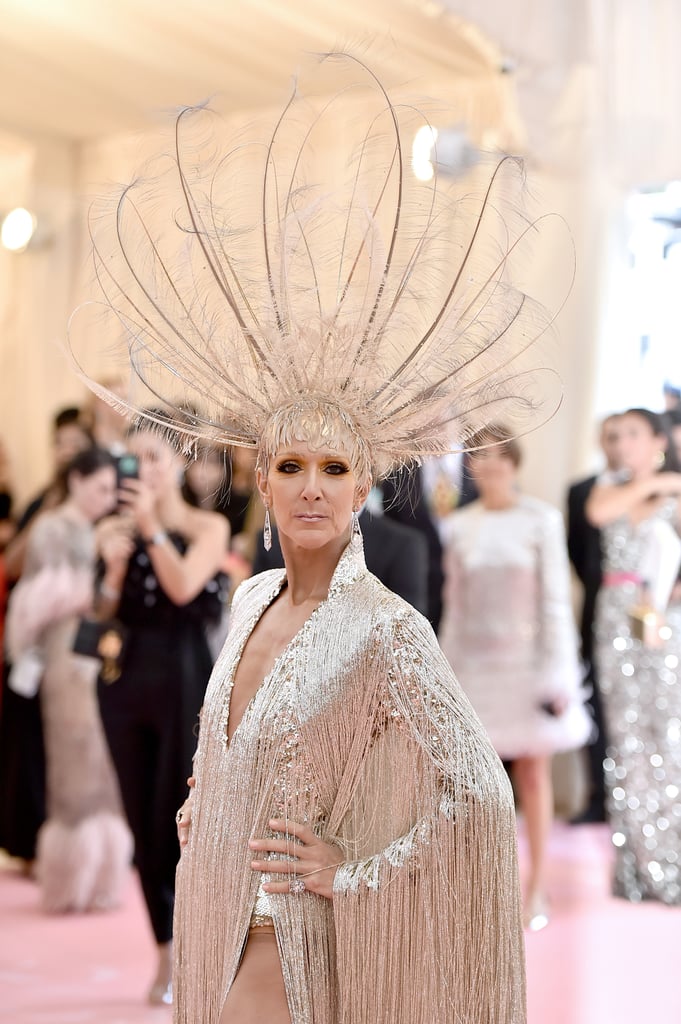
x=257 y=995
x=161 y=990
x=532 y=776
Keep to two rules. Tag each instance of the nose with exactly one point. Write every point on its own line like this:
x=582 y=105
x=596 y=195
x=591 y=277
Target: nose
x=311 y=484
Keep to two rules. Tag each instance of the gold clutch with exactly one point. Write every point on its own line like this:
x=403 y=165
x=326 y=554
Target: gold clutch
x=647 y=625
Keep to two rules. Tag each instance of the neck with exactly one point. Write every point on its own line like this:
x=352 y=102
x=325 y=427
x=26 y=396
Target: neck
x=497 y=501
x=309 y=572
x=171 y=508
x=71 y=510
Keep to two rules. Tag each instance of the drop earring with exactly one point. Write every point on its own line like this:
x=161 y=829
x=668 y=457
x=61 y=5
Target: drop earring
x=267 y=530
x=355 y=532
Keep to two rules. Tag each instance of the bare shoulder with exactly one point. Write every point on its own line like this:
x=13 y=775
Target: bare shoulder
x=201 y=523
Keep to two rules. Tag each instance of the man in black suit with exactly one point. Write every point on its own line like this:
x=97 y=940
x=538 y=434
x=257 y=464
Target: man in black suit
x=397 y=554
x=404 y=502
x=584 y=547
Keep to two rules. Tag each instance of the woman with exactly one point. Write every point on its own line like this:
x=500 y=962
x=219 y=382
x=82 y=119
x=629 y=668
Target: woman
x=162 y=556
x=508 y=628
x=639 y=519
x=84 y=847
x=334 y=733
x=224 y=481
x=340 y=337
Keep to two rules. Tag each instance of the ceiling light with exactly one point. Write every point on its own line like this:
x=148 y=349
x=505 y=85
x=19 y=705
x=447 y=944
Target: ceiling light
x=18 y=228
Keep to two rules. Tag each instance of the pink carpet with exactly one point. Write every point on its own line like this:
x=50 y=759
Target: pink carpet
x=600 y=961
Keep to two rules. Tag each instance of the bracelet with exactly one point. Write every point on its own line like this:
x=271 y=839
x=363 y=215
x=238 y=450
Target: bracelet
x=156 y=539
x=109 y=593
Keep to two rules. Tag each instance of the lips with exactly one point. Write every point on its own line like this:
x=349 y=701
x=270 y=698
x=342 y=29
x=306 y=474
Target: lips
x=309 y=518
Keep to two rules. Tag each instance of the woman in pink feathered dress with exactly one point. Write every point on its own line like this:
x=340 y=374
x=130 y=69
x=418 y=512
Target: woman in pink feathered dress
x=84 y=846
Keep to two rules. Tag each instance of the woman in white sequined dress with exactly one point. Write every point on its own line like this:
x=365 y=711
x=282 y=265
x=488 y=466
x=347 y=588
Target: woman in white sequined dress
x=640 y=682
x=509 y=630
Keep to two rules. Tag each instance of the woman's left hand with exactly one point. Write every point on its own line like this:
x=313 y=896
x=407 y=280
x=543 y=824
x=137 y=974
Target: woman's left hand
x=315 y=862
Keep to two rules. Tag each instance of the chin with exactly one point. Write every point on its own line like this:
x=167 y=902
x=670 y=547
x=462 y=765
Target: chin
x=313 y=540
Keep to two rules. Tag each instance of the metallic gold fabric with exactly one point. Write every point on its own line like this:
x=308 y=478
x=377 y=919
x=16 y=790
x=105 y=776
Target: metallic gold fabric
x=360 y=730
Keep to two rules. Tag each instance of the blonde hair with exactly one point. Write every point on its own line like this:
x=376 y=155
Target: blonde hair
x=319 y=423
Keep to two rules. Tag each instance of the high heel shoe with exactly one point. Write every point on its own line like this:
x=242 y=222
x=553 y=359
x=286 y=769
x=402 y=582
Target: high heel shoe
x=536 y=913
x=160 y=994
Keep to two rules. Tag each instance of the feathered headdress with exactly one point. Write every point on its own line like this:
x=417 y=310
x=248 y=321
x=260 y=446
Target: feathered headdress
x=244 y=291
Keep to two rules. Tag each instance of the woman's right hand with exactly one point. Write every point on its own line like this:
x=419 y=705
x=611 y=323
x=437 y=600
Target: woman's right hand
x=184 y=816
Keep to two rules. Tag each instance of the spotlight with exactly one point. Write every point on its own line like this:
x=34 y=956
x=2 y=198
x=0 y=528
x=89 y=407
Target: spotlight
x=18 y=228
x=448 y=149
x=421 y=150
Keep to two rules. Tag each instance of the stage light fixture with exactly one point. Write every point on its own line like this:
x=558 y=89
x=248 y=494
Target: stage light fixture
x=17 y=230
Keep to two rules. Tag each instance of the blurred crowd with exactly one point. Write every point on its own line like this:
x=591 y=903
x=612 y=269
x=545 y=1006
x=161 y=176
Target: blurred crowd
x=116 y=580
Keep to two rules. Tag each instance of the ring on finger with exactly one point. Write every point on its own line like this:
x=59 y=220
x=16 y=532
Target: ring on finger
x=297 y=886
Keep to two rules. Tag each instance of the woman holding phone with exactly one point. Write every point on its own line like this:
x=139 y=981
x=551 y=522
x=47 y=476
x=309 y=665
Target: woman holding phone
x=161 y=581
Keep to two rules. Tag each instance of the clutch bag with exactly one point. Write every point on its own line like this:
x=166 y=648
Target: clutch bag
x=646 y=624
x=105 y=640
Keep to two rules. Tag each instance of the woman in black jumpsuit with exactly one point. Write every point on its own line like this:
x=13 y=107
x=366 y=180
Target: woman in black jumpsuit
x=161 y=581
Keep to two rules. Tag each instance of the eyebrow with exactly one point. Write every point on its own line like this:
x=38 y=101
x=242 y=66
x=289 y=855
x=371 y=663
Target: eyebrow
x=328 y=456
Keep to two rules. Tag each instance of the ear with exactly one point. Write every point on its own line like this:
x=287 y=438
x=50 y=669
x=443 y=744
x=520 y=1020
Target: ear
x=361 y=494
x=263 y=486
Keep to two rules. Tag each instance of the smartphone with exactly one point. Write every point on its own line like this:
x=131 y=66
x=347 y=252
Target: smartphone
x=128 y=468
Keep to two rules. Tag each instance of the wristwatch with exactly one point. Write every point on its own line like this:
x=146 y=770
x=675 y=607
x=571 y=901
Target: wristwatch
x=156 y=539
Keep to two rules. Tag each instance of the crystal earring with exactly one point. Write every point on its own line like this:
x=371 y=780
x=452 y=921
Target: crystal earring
x=355 y=532
x=267 y=530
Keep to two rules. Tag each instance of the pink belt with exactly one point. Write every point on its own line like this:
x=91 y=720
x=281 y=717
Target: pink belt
x=616 y=579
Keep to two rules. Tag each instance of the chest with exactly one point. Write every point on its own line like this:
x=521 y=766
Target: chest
x=499 y=540
x=272 y=635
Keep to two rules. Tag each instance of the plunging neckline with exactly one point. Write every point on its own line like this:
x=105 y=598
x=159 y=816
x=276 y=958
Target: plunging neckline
x=227 y=739
x=350 y=567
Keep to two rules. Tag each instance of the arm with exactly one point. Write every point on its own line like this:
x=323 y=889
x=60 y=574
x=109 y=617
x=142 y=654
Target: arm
x=608 y=502
x=54 y=586
x=183 y=577
x=436 y=736
x=451 y=866
x=578 y=528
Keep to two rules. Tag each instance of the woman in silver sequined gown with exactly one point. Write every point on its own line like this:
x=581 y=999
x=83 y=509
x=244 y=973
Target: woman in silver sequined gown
x=641 y=684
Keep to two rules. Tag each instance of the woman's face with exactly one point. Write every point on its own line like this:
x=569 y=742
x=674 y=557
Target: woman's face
x=492 y=470
x=94 y=495
x=69 y=440
x=312 y=494
x=160 y=467
x=207 y=473
x=639 y=448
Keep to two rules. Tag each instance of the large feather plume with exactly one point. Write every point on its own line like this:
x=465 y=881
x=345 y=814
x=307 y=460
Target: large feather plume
x=240 y=284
